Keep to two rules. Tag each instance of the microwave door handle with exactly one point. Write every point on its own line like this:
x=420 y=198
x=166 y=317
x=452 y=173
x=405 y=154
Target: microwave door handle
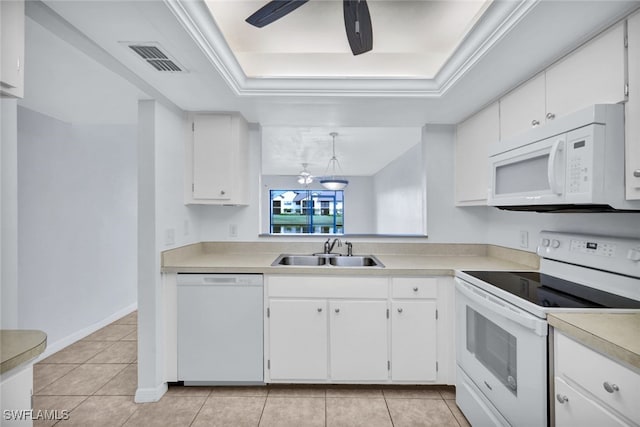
x=551 y=166
x=494 y=306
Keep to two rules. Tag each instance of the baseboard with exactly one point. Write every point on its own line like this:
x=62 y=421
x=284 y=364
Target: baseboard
x=146 y=395
x=76 y=336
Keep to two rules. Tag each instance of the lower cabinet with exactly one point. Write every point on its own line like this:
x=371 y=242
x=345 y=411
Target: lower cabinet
x=298 y=339
x=592 y=389
x=358 y=337
x=413 y=341
x=357 y=330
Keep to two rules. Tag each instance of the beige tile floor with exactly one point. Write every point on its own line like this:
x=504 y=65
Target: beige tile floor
x=95 y=380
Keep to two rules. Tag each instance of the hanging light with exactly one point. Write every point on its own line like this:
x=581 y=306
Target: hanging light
x=334 y=181
x=304 y=177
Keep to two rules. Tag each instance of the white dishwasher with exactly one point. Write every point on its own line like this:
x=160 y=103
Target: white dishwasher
x=220 y=329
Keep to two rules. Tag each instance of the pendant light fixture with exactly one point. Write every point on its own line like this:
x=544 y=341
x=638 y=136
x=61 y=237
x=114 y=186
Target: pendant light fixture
x=333 y=181
x=304 y=177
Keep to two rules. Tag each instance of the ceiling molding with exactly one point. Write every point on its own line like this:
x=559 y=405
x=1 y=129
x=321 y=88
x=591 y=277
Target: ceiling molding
x=501 y=16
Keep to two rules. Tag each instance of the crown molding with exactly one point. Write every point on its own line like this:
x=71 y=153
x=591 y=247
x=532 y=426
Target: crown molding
x=500 y=17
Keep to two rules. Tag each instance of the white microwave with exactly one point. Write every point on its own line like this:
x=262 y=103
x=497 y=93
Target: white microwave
x=572 y=164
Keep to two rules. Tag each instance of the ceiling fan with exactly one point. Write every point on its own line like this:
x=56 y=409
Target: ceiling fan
x=357 y=20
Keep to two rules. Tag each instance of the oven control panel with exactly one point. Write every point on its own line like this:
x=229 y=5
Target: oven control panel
x=593 y=247
x=614 y=254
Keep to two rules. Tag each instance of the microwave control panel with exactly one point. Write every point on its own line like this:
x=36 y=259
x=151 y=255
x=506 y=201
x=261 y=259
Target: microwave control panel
x=579 y=161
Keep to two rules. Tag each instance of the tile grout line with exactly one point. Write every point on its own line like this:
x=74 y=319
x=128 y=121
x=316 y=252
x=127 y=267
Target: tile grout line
x=200 y=409
x=264 y=405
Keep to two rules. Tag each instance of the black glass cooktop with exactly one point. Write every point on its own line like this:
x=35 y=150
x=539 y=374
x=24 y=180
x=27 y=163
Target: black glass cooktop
x=549 y=291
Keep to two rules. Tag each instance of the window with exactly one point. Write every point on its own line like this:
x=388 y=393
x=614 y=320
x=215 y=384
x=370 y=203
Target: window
x=306 y=212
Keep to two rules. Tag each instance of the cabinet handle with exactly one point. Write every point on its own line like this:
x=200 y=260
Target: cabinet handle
x=319 y=309
x=415 y=289
x=562 y=398
x=636 y=173
x=222 y=192
x=610 y=387
x=551 y=116
x=400 y=310
x=535 y=123
x=337 y=310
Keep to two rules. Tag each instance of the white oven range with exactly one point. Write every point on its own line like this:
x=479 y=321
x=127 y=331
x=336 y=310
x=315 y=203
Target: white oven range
x=501 y=328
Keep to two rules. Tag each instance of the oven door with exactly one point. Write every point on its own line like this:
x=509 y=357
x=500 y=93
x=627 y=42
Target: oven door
x=503 y=351
x=529 y=175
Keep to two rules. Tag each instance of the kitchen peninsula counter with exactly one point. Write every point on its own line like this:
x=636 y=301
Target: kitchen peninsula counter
x=398 y=258
x=614 y=334
x=20 y=346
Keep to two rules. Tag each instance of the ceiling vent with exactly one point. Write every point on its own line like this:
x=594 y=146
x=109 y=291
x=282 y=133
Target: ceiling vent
x=153 y=54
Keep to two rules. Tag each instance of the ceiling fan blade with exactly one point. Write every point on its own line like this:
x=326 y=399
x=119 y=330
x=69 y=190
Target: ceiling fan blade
x=273 y=11
x=357 y=23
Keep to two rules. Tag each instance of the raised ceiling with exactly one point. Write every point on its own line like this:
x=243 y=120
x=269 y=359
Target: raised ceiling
x=411 y=39
x=512 y=41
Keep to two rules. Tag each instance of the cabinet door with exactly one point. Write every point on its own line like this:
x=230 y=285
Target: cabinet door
x=594 y=74
x=523 y=108
x=473 y=138
x=358 y=343
x=212 y=157
x=413 y=341
x=632 y=112
x=12 y=48
x=298 y=339
x=574 y=409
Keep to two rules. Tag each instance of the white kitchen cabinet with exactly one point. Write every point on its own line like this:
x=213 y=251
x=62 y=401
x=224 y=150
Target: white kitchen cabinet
x=590 y=386
x=359 y=329
x=12 y=48
x=217 y=170
x=632 y=111
x=358 y=340
x=298 y=339
x=16 y=390
x=523 y=108
x=474 y=136
x=593 y=74
x=576 y=409
x=414 y=334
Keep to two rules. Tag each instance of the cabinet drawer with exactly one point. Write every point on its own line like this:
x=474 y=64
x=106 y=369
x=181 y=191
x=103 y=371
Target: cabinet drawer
x=327 y=287
x=414 y=287
x=572 y=408
x=597 y=373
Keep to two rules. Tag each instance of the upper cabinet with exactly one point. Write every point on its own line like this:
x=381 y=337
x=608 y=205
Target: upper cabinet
x=632 y=112
x=12 y=48
x=217 y=169
x=523 y=107
x=593 y=74
x=473 y=138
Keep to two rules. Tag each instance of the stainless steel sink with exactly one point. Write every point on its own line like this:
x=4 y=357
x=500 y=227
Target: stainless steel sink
x=312 y=260
x=356 y=261
x=334 y=260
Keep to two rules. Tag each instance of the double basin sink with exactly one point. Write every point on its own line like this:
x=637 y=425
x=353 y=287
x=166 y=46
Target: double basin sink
x=317 y=260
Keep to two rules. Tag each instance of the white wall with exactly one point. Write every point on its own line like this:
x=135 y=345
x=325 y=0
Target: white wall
x=8 y=214
x=399 y=195
x=445 y=222
x=164 y=222
x=77 y=223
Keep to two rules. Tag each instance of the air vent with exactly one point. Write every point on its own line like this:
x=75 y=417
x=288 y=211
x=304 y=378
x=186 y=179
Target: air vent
x=155 y=57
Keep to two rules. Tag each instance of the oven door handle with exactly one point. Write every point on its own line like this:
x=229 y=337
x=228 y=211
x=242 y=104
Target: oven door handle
x=495 y=305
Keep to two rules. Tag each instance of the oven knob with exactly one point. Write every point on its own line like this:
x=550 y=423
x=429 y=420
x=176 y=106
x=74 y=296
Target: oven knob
x=545 y=242
x=634 y=255
x=555 y=243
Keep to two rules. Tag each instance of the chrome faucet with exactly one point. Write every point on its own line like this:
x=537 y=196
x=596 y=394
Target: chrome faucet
x=328 y=247
x=349 y=248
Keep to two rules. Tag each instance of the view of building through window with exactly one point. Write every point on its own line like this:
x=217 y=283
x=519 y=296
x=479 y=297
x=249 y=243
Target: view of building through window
x=306 y=212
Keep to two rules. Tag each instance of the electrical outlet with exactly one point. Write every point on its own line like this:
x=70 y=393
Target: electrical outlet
x=233 y=230
x=170 y=236
x=524 y=239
